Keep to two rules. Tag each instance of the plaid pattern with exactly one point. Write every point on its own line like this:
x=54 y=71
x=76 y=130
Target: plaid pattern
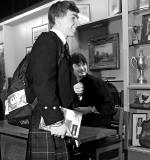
x=48 y=148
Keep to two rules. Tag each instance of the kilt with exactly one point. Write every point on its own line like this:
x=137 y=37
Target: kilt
x=43 y=146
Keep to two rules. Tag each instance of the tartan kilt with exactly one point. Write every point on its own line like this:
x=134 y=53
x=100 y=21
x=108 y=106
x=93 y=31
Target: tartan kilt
x=44 y=146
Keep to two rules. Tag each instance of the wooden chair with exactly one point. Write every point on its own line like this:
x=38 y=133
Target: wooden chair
x=112 y=144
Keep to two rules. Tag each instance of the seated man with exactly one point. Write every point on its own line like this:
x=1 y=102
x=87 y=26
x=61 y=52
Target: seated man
x=96 y=102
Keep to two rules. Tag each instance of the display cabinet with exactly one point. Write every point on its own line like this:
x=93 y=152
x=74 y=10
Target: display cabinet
x=136 y=48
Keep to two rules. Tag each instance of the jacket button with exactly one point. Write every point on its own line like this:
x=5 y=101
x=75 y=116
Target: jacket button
x=45 y=107
x=54 y=107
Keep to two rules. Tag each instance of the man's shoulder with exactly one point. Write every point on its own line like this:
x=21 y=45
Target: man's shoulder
x=50 y=37
x=94 y=78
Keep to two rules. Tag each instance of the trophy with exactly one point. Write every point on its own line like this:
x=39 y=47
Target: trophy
x=141 y=63
x=136 y=30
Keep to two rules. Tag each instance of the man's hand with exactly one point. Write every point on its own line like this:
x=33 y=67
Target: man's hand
x=86 y=110
x=83 y=110
x=60 y=131
x=78 y=89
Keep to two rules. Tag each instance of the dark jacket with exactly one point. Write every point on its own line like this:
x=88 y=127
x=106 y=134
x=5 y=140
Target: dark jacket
x=49 y=81
x=96 y=94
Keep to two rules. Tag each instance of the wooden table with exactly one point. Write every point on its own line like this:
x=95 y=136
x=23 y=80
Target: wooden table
x=14 y=136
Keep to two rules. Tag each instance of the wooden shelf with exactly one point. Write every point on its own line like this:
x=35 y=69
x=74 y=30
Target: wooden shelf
x=139 y=11
x=139 y=86
x=139 y=149
x=140 y=45
x=135 y=106
x=99 y=23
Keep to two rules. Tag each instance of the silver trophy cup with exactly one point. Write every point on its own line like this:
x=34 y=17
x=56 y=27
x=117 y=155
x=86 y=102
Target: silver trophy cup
x=141 y=63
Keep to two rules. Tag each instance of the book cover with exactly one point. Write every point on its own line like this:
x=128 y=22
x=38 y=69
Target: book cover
x=72 y=121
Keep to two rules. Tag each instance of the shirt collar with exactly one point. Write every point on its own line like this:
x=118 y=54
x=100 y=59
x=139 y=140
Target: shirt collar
x=59 y=34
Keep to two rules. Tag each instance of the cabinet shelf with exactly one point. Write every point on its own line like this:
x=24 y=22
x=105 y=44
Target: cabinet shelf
x=139 y=11
x=140 y=45
x=99 y=23
x=139 y=149
x=139 y=86
x=140 y=107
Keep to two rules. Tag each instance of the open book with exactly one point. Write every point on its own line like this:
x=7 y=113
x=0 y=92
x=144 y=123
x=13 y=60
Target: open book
x=72 y=120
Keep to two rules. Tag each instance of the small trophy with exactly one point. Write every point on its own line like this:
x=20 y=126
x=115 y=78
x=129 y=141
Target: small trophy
x=141 y=63
x=136 y=30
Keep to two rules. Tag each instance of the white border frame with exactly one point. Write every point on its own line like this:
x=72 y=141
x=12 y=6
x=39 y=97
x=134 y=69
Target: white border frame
x=36 y=31
x=141 y=4
x=114 y=7
x=84 y=15
x=135 y=129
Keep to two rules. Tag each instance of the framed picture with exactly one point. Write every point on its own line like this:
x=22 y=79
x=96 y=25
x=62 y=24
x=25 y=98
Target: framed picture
x=141 y=4
x=28 y=49
x=36 y=31
x=104 y=52
x=84 y=15
x=137 y=119
x=2 y=66
x=145 y=34
x=114 y=7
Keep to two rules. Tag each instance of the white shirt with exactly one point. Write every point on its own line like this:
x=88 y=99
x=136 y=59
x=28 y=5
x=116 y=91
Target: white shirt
x=59 y=34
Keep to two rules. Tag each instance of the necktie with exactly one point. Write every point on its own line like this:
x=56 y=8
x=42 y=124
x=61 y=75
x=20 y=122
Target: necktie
x=66 y=47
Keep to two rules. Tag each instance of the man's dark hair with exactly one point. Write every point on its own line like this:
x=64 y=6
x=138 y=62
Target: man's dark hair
x=77 y=58
x=59 y=9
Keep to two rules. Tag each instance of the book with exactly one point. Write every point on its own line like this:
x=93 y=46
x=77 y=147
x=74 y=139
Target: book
x=72 y=121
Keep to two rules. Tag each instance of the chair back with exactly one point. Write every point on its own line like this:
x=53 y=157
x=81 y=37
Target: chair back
x=117 y=122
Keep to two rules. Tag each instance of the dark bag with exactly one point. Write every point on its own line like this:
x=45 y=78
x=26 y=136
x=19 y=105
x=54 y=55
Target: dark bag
x=144 y=137
x=18 y=110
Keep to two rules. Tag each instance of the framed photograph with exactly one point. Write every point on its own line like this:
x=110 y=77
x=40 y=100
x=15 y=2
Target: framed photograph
x=114 y=7
x=104 y=52
x=2 y=66
x=1 y=47
x=28 y=49
x=84 y=15
x=141 y=4
x=145 y=34
x=137 y=119
x=36 y=31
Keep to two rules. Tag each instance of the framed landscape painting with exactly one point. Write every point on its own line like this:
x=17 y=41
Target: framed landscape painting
x=104 y=52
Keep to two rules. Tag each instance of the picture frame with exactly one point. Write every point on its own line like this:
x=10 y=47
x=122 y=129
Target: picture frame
x=84 y=15
x=36 y=31
x=104 y=52
x=137 y=119
x=28 y=49
x=142 y=4
x=2 y=66
x=1 y=47
x=145 y=33
x=114 y=7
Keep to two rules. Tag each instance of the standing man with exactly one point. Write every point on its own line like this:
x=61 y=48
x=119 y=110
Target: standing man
x=50 y=79
x=96 y=102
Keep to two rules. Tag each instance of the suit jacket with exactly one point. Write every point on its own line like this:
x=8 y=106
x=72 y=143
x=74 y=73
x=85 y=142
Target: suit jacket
x=49 y=81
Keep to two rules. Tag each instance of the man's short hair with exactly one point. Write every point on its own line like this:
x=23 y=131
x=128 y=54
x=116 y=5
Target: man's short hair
x=77 y=58
x=59 y=9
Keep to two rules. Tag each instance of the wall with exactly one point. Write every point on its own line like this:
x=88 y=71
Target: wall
x=19 y=36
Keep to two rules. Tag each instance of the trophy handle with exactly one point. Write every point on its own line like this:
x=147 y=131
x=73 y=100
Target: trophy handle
x=148 y=62
x=134 y=62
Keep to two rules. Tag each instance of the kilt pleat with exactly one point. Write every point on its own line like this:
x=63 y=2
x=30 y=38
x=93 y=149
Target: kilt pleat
x=44 y=146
